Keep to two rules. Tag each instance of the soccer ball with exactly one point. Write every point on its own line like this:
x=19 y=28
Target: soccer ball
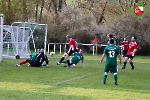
x=52 y=53
x=17 y=57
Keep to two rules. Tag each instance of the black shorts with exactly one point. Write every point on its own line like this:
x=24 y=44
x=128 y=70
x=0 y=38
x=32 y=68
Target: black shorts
x=34 y=63
x=130 y=57
x=125 y=53
x=71 y=52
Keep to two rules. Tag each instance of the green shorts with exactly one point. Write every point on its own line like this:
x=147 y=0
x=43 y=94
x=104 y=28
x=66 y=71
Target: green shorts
x=112 y=68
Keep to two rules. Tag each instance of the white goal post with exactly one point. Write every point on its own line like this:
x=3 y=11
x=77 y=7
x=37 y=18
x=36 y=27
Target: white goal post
x=1 y=35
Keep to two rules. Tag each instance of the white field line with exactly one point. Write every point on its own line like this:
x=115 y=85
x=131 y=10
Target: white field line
x=72 y=79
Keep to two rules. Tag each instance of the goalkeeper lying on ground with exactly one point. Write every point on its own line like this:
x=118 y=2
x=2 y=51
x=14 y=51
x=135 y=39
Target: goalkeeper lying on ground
x=36 y=59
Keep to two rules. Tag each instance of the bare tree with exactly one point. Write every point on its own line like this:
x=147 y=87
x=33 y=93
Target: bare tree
x=102 y=14
x=36 y=10
x=9 y=11
x=42 y=5
x=60 y=5
x=55 y=5
x=49 y=5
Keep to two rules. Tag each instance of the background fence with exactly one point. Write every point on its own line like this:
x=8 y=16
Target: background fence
x=88 y=48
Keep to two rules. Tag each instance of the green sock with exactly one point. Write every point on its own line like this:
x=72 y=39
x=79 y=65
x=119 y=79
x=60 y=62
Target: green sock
x=64 y=61
x=104 y=78
x=116 y=78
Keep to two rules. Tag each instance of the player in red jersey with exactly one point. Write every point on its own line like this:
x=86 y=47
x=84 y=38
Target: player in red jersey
x=131 y=53
x=71 y=50
x=125 y=46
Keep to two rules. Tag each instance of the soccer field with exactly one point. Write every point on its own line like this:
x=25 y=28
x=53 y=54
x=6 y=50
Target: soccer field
x=59 y=83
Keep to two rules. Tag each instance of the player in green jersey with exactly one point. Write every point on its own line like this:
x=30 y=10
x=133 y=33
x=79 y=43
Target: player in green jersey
x=110 y=37
x=76 y=59
x=111 y=52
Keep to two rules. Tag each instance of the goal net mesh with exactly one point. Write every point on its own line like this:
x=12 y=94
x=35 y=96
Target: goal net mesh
x=20 y=38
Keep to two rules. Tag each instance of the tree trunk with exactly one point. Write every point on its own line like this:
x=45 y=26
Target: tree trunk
x=55 y=5
x=42 y=5
x=36 y=10
x=8 y=18
x=60 y=5
x=102 y=14
x=49 y=6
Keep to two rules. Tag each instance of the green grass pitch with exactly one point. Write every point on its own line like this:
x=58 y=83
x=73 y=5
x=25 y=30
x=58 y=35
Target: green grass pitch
x=59 y=83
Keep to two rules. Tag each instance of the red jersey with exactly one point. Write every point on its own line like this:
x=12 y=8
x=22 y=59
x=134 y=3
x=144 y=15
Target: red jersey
x=132 y=46
x=72 y=44
x=125 y=45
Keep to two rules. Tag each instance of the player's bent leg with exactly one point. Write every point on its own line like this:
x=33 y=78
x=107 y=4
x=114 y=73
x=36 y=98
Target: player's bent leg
x=70 y=64
x=22 y=62
x=68 y=61
x=62 y=58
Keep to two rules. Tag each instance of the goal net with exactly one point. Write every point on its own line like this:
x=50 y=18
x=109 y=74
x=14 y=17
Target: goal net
x=21 y=38
x=1 y=35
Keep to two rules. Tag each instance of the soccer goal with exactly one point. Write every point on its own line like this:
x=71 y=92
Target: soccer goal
x=21 y=38
x=1 y=35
